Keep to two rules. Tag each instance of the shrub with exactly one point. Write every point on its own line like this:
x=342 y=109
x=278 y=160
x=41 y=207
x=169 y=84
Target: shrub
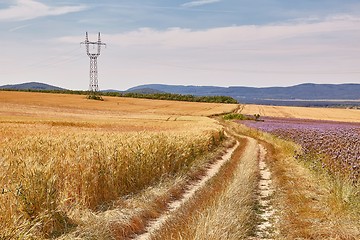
x=237 y=116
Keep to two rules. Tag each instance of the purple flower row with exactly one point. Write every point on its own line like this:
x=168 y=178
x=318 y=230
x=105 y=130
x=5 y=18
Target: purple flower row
x=339 y=141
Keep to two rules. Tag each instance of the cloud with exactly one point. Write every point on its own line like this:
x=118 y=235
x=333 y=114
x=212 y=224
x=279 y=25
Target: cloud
x=291 y=39
x=305 y=51
x=199 y=3
x=30 y=9
x=293 y=33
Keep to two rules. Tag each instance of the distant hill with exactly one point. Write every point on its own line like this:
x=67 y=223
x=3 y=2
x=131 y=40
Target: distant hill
x=306 y=91
x=307 y=94
x=111 y=91
x=31 y=86
x=137 y=90
x=145 y=91
x=303 y=95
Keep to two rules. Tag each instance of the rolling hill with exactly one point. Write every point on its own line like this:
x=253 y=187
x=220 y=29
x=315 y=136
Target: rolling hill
x=306 y=91
x=307 y=94
x=31 y=86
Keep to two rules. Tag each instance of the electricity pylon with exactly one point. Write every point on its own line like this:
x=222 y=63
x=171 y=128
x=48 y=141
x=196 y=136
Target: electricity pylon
x=93 y=85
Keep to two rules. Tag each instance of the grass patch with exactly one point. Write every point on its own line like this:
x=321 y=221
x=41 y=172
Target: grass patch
x=235 y=116
x=311 y=203
x=95 y=97
x=239 y=116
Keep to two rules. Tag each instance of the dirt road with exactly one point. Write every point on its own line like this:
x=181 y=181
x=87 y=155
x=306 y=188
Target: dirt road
x=191 y=191
x=233 y=206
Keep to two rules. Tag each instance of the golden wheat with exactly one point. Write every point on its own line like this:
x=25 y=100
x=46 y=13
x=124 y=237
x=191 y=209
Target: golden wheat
x=46 y=176
x=63 y=154
x=332 y=114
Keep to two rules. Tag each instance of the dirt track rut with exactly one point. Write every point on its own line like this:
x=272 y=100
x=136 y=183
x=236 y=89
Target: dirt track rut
x=173 y=206
x=255 y=155
x=265 y=229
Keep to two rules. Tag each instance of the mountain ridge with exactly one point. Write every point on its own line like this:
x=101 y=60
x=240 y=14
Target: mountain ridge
x=306 y=91
x=306 y=94
x=31 y=86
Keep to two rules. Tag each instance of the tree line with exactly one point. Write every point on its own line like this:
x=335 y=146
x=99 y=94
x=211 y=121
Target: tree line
x=156 y=96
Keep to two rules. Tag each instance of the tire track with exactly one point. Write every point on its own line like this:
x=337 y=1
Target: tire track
x=265 y=228
x=156 y=224
x=254 y=152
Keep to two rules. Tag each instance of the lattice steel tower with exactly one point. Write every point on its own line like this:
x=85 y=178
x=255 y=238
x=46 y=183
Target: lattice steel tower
x=93 y=85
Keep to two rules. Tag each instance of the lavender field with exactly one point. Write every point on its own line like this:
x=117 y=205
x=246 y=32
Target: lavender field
x=337 y=143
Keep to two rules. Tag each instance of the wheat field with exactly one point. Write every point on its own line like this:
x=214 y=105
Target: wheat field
x=64 y=154
x=73 y=168
x=331 y=114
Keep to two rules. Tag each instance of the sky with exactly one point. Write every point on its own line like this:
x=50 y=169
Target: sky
x=258 y=43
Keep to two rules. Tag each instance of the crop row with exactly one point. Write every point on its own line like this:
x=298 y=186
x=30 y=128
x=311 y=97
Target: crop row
x=338 y=143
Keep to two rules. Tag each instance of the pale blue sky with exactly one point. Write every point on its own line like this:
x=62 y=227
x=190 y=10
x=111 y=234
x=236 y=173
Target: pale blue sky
x=203 y=42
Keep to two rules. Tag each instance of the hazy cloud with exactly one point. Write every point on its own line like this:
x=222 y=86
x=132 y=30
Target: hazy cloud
x=326 y=51
x=199 y=3
x=29 y=9
x=261 y=35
